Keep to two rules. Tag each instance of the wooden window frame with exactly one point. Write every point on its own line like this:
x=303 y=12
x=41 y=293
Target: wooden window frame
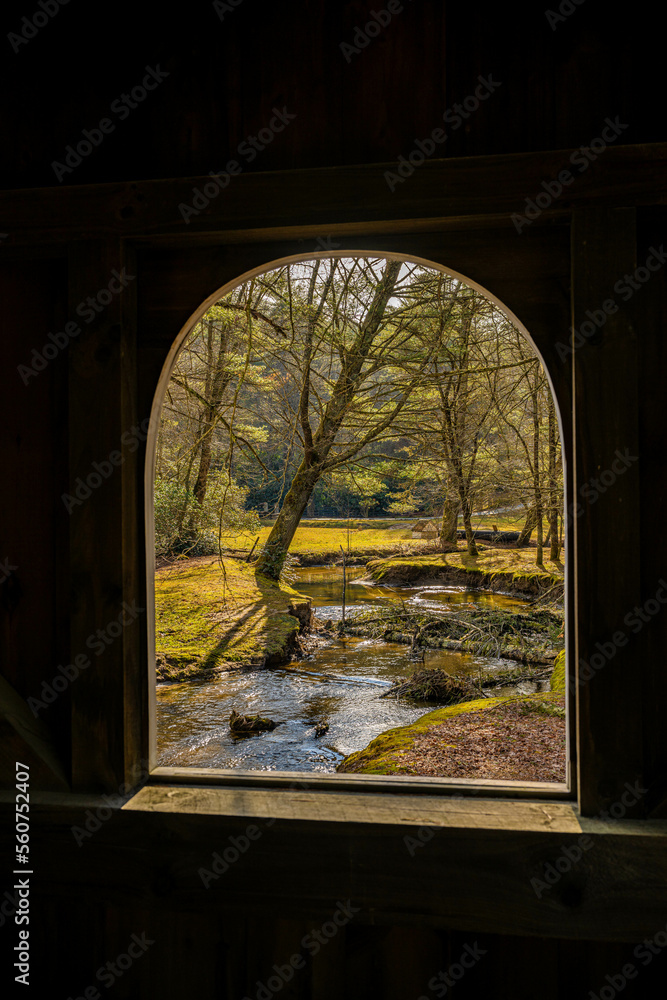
x=234 y=777
x=464 y=207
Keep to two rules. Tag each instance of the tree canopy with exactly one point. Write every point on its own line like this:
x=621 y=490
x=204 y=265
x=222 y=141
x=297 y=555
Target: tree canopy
x=352 y=383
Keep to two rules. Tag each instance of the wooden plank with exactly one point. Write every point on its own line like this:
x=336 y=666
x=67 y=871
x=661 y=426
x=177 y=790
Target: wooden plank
x=26 y=738
x=607 y=520
x=350 y=807
x=485 y=876
x=109 y=737
x=287 y=201
x=352 y=782
x=33 y=521
x=651 y=322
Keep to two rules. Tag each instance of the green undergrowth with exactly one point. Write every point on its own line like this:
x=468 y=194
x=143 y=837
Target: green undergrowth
x=558 y=675
x=211 y=617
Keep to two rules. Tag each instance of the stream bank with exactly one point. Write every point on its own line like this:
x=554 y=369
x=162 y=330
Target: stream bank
x=509 y=571
x=505 y=738
x=436 y=740
x=529 y=636
x=326 y=705
x=213 y=616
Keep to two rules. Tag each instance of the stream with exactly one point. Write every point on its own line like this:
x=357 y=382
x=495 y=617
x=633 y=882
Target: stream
x=338 y=686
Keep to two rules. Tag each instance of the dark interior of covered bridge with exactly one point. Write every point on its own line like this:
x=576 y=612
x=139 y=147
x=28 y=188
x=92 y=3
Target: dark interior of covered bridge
x=153 y=155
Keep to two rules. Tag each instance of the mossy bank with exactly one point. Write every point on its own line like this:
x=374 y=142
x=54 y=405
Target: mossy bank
x=212 y=616
x=389 y=752
x=512 y=571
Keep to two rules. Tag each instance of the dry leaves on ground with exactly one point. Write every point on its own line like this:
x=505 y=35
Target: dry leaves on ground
x=504 y=742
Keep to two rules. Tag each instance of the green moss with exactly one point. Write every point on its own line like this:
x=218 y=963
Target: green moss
x=383 y=754
x=509 y=569
x=557 y=684
x=244 y=725
x=210 y=616
x=542 y=708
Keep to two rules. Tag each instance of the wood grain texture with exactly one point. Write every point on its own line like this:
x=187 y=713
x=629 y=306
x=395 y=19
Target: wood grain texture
x=351 y=807
x=106 y=560
x=312 y=202
x=474 y=879
x=606 y=521
x=650 y=317
x=26 y=738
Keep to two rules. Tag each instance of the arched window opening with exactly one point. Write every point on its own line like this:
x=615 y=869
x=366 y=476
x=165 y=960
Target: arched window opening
x=358 y=531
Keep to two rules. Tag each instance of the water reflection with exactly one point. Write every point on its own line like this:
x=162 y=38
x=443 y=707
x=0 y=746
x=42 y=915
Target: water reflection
x=340 y=687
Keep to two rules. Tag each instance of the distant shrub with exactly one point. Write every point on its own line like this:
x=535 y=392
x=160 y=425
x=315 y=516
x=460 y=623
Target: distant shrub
x=184 y=526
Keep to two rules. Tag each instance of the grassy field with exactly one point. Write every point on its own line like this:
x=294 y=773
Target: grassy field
x=209 y=617
x=504 y=522
x=317 y=542
x=321 y=541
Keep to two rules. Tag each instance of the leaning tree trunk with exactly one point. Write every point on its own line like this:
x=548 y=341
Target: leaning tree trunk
x=528 y=528
x=467 y=524
x=449 y=523
x=318 y=445
x=273 y=555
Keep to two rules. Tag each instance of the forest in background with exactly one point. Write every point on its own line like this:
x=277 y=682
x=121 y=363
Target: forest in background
x=354 y=387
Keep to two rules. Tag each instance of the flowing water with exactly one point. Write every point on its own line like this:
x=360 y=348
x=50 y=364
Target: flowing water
x=338 y=686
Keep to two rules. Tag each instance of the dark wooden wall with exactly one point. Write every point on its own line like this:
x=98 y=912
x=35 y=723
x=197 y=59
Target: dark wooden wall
x=557 y=87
